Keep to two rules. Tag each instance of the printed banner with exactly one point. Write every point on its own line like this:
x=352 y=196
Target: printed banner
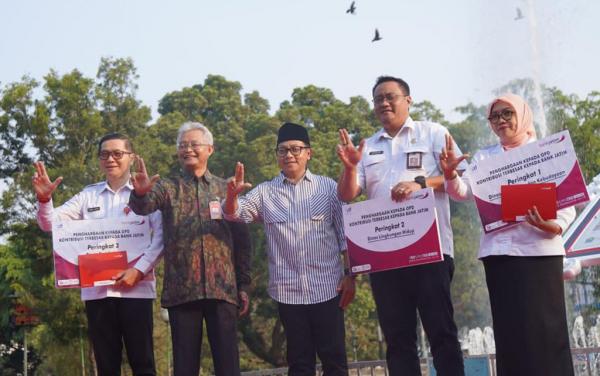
x=550 y=160
x=582 y=239
x=382 y=234
x=73 y=238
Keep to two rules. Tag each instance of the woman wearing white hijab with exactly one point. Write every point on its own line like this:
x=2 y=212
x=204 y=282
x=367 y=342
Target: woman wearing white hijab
x=523 y=263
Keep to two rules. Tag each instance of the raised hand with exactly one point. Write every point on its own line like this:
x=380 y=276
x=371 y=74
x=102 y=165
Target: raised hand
x=142 y=184
x=236 y=184
x=42 y=185
x=448 y=159
x=347 y=152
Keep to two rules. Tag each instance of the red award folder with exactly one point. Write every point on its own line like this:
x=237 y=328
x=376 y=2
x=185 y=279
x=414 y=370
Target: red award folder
x=97 y=269
x=517 y=199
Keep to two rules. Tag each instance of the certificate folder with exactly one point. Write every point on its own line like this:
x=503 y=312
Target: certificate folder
x=97 y=269
x=517 y=199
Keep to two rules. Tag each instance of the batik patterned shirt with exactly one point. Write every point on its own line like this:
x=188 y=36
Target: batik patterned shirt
x=205 y=258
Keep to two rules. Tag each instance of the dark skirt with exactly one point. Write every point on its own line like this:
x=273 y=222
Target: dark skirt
x=528 y=310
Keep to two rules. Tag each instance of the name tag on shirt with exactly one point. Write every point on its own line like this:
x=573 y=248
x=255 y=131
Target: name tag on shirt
x=97 y=208
x=414 y=160
x=215 y=210
x=376 y=152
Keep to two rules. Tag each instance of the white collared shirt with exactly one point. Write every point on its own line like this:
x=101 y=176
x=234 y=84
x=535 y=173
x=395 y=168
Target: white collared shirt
x=413 y=151
x=98 y=201
x=520 y=240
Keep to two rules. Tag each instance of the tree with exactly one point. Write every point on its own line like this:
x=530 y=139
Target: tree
x=581 y=117
x=115 y=92
x=59 y=119
x=16 y=107
x=427 y=111
x=60 y=127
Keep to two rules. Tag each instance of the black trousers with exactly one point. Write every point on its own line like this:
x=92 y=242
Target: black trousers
x=114 y=321
x=398 y=294
x=314 y=329
x=186 y=333
x=530 y=320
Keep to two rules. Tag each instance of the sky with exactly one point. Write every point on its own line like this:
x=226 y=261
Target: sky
x=450 y=52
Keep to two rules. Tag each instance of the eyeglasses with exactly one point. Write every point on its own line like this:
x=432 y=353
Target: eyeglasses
x=193 y=145
x=505 y=114
x=389 y=97
x=116 y=154
x=295 y=150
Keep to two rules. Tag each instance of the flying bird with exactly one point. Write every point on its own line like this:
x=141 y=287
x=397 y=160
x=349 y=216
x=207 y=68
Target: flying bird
x=352 y=9
x=519 y=14
x=377 y=36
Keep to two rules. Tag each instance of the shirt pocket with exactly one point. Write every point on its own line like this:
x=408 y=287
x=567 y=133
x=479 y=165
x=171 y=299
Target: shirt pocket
x=320 y=209
x=374 y=167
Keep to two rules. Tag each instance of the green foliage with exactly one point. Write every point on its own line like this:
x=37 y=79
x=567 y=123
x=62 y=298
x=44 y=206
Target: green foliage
x=426 y=111
x=61 y=128
x=361 y=323
x=473 y=132
x=115 y=95
x=61 y=118
x=582 y=118
x=16 y=108
x=469 y=291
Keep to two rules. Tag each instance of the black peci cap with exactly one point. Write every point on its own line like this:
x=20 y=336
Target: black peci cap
x=291 y=131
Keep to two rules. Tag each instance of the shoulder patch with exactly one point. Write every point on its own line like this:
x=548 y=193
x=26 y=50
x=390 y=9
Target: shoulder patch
x=95 y=185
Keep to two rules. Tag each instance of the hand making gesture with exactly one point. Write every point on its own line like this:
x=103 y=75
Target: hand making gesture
x=235 y=186
x=42 y=185
x=142 y=184
x=347 y=152
x=448 y=159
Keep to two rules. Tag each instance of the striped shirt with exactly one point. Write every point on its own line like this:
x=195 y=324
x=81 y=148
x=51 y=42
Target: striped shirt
x=305 y=236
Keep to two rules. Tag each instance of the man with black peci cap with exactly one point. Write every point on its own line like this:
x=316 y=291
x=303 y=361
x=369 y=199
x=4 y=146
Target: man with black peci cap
x=306 y=247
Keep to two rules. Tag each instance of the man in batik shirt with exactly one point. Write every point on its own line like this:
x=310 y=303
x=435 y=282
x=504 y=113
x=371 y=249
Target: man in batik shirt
x=206 y=257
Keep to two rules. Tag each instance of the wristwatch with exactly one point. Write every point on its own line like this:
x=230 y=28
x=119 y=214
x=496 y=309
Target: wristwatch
x=421 y=181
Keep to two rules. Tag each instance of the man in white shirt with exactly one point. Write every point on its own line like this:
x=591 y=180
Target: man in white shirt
x=399 y=159
x=119 y=313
